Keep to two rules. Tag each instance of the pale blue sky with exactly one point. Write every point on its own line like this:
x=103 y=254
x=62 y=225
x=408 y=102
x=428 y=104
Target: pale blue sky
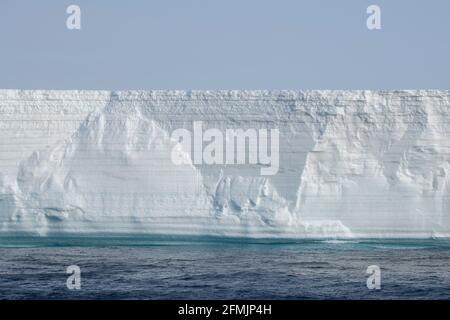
x=227 y=44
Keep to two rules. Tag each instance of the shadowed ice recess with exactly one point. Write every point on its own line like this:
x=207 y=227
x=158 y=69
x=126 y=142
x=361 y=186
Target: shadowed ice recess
x=352 y=164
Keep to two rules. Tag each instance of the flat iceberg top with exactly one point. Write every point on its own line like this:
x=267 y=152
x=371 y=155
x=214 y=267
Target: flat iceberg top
x=17 y=94
x=257 y=163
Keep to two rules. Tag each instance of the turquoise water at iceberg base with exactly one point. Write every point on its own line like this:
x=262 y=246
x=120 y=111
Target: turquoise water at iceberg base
x=149 y=267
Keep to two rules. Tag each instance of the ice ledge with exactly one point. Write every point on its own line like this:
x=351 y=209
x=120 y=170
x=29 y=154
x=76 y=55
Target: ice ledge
x=353 y=164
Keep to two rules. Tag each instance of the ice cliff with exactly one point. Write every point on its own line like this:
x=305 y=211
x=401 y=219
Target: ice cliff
x=351 y=164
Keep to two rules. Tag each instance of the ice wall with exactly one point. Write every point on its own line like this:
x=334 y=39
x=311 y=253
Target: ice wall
x=351 y=164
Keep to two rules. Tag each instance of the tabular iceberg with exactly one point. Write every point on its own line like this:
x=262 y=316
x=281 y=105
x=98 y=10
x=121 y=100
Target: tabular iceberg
x=351 y=164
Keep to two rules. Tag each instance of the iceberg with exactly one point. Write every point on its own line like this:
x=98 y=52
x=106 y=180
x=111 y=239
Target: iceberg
x=350 y=164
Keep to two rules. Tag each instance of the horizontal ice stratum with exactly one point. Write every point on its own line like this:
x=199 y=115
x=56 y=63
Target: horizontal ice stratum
x=362 y=164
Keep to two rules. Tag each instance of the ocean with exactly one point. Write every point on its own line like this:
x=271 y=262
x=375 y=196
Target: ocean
x=137 y=267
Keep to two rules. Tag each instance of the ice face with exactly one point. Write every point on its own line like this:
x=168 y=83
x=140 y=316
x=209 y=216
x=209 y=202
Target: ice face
x=350 y=163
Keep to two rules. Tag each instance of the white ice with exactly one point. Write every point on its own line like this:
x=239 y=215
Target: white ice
x=353 y=164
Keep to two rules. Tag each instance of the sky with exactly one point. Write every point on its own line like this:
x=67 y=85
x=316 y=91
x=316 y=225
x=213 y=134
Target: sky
x=224 y=44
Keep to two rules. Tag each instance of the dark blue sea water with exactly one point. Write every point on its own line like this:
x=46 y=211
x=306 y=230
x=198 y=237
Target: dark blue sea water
x=207 y=268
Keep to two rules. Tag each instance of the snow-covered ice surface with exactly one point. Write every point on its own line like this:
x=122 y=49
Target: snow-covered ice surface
x=371 y=164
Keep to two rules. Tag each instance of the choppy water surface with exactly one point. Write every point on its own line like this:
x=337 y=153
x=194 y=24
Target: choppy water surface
x=161 y=268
